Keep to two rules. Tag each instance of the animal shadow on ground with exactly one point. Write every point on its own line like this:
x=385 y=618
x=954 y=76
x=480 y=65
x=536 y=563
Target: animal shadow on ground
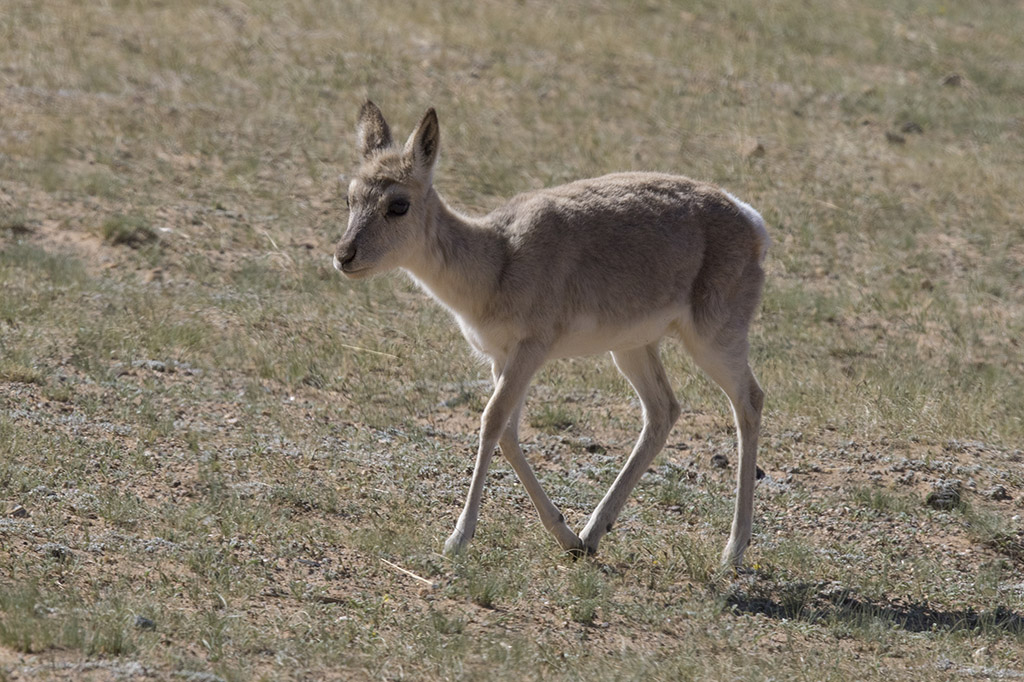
x=830 y=603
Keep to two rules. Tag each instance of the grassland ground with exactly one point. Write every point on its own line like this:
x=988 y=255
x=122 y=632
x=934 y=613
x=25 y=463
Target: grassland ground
x=218 y=461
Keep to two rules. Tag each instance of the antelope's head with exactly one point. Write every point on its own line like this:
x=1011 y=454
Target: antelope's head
x=388 y=199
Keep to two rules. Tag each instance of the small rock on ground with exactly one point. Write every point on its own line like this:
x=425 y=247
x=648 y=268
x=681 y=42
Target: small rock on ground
x=944 y=496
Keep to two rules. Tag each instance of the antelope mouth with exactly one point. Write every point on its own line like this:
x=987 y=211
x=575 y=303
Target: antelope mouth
x=349 y=268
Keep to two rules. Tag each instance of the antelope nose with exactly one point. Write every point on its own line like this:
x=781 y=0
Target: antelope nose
x=343 y=256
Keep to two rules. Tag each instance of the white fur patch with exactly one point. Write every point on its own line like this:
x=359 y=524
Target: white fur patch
x=755 y=219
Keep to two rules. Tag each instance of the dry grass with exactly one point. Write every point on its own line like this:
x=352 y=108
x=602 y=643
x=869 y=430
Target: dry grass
x=209 y=443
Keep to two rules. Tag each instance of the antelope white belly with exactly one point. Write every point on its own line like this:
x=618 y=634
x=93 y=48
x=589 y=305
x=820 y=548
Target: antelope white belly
x=589 y=336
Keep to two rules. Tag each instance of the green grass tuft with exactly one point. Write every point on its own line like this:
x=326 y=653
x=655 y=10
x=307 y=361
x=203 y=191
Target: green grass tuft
x=128 y=230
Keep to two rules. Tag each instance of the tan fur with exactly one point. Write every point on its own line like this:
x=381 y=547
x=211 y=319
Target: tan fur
x=608 y=264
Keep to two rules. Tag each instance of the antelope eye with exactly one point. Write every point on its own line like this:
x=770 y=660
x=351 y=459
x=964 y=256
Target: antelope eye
x=398 y=207
x=348 y=204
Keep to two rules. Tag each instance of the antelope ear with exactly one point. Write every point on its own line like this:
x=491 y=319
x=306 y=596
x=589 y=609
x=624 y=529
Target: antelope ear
x=372 y=131
x=423 y=144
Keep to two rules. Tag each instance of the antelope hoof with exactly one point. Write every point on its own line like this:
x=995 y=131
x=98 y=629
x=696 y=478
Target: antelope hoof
x=589 y=545
x=574 y=549
x=732 y=557
x=456 y=543
x=581 y=552
x=567 y=540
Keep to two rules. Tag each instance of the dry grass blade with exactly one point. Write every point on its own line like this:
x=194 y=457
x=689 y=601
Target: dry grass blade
x=409 y=573
x=369 y=350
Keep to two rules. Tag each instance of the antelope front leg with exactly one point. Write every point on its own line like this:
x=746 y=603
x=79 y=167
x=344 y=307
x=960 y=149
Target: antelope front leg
x=552 y=519
x=509 y=392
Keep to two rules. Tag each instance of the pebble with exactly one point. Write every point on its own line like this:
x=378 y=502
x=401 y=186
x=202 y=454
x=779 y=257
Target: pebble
x=998 y=493
x=144 y=623
x=56 y=551
x=944 y=496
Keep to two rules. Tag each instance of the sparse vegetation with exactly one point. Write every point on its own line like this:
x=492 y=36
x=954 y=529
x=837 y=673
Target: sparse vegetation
x=13 y=222
x=131 y=231
x=210 y=444
x=552 y=419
